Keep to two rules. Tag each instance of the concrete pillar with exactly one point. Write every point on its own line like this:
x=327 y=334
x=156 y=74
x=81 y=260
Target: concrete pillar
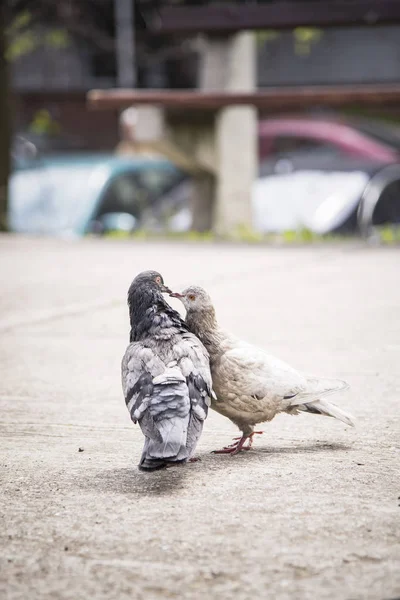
x=236 y=147
x=220 y=153
x=203 y=202
x=229 y=64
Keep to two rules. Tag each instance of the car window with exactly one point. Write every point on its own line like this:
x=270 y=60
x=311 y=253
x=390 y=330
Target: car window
x=125 y=193
x=291 y=145
x=159 y=181
x=133 y=193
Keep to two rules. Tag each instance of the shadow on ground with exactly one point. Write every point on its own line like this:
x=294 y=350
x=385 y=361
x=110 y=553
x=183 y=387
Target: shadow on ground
x=319 y=447
x=168 y=481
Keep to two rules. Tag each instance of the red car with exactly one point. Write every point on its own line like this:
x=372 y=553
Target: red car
x=288 y=136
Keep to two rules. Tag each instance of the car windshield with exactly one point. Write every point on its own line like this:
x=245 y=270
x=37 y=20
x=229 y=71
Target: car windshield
x=54 y=199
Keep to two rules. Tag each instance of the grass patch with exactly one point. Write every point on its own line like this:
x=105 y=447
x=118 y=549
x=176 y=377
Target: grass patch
x=240 y=235
x=387 y=235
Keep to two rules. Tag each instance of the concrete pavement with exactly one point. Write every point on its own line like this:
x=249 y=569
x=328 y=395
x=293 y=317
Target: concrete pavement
x=312 y=512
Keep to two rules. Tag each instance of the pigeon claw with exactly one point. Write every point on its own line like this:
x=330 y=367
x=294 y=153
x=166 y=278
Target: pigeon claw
x=238 y=444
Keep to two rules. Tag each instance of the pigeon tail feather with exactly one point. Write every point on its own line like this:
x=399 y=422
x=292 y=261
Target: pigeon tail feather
x=157 y=454
x=318 y=388
x=321 y=407
x=312 y=400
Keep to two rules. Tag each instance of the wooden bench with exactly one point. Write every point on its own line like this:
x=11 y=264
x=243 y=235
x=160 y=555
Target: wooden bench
x=265 y=100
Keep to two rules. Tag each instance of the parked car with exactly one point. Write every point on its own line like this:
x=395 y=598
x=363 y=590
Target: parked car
x=98 y=194
x=316 y=193
x=327 y=173
x=74 y=195
x=336 y=137
x=341 y=196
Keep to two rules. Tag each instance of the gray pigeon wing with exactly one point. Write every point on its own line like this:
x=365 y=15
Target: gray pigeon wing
x=195 y=366
x=139 y=367
x=157 y=398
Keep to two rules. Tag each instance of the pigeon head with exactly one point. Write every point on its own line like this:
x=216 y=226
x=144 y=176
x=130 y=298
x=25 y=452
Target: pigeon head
x=200 y=314
x=150 y=280
x=195 y=299
x=145 y=301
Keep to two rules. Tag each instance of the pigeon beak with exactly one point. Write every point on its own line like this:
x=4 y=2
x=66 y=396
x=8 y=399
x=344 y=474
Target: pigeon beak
x=165 y=289
x=176 y=295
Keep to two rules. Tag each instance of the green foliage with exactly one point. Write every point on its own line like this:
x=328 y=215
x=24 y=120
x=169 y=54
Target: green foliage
x=119 y=235
x=22 y=20
x=23 y=38
x=22 y=44
x=305 y=38
x=385 y=235
x=192 y=236
x=56 y=38
x=43 y=124
x=289 y=236
x=388 y=234
x=301 y=235
x=203 y=236
x=264 y=36
x=241 y=235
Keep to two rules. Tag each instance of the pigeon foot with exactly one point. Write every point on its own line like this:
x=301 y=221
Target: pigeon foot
x=238 y=444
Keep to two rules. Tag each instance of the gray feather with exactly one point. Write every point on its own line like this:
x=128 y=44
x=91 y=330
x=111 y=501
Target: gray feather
x=167 y=386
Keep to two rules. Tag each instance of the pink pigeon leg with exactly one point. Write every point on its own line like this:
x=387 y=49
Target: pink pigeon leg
x=238 y=444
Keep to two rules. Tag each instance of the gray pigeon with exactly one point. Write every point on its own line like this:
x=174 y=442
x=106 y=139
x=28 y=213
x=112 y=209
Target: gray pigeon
x=251 y=385
x=166 y=376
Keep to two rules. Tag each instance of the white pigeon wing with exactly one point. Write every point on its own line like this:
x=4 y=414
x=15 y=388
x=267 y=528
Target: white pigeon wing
x=262 y=374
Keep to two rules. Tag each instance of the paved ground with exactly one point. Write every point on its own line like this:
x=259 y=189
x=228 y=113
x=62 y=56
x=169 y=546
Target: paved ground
x=311 y=513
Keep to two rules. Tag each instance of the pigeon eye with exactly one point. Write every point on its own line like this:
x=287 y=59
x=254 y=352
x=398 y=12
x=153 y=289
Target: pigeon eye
x=191 y=297
x=158 y=280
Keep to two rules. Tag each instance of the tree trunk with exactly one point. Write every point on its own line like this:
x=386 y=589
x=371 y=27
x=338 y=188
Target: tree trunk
x=5 y=126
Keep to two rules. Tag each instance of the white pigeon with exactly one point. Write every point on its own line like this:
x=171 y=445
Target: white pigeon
x=252 y=386
x=166 y=376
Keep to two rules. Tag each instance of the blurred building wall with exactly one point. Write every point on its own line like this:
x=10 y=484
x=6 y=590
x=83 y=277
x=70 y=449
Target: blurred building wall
x=340 y=55
x=73 y=127
x=57 y=80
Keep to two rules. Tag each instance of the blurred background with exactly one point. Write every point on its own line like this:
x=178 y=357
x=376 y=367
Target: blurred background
x=244 y=119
